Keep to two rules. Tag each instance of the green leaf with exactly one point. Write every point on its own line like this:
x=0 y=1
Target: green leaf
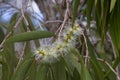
x=26 y=36
x=75 y=8
x=102 y=17
x=10 y=59
x=80 y=66
x=1 y=35
x=31 y=74
x=73 y=54
x=32 y=28
x=95 y=63
x=23 y=67
x=95 y=2
x=116 y=63
x=90 y=4
x=59 y=71
x=112 y=4
x=85 y=74
x=115 y=27
x=68 y=63
x=98 y=12
x=5 y=70
x=3 y=25
x=22 y=70
x=42 y=72
x=76 y=75
x=12 y=22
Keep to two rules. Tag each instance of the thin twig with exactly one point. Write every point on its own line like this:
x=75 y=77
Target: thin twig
x=11 y=5
x=18 y=22
x=102 y=60
x=65 y=17
x=1 y=45
x=55 y=21
x=21 y=56
x=22 y=11
x=110 y=67
x=113 y=48
x=118 y=72
x=58 y=7
x=87 y=53
x=115 y=56
x=15 y=26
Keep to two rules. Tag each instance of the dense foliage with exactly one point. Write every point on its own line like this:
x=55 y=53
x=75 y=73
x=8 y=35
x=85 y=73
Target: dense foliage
x=60 y=40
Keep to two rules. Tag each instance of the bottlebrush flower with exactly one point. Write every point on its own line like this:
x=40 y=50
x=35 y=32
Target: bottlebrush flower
x=61 y=46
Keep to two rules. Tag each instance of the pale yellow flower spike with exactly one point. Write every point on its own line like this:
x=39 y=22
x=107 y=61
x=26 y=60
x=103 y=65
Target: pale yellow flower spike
x=51 y=53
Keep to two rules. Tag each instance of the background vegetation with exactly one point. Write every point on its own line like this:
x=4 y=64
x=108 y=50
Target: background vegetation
x=95 y=57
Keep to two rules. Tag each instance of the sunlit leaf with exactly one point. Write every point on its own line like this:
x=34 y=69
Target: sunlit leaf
x=112 y=4
x=95 y=2
x=85 y=74
x=115 y=28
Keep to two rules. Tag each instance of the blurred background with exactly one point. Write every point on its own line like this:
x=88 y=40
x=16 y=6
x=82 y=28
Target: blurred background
x=96 y=55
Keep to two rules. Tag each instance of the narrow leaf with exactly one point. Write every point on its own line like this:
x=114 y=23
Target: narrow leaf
x=42 y=72
x=22 y=70
x=1 y=35
x=5 y=71
x=12 y=22
x=89 y=10
x=75 y=8
x=95 y=63
x=85 y=73
x=59 y=71
x=26 y=36
x=112 y=4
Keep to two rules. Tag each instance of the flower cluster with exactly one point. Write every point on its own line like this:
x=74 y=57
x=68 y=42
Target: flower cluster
x=66 y=40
